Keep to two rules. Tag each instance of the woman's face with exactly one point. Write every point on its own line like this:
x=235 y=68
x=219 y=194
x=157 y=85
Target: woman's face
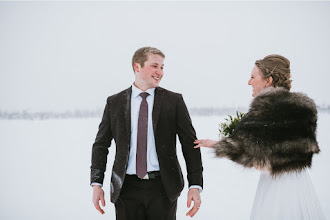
x=257 y=82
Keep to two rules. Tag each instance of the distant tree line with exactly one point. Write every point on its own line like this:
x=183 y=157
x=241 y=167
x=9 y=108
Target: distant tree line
x=26 y=115
x=81 y=114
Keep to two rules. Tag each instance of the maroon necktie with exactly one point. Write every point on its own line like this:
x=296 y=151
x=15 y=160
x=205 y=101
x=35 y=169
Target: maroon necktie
x=142 y=135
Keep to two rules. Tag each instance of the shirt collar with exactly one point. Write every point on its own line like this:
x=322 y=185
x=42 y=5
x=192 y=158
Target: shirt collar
x=136 y=91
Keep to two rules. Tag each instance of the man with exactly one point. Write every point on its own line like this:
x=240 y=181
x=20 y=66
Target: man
x=144 y=121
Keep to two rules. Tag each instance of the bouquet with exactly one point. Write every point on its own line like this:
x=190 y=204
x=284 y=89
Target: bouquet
x=227 y=128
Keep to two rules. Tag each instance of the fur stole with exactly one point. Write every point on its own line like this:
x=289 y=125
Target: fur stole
x=278 y=133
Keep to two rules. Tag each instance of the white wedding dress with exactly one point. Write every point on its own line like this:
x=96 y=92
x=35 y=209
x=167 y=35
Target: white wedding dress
x=290 y=196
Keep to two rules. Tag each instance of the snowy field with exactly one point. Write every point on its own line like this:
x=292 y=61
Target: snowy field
x=45 y=173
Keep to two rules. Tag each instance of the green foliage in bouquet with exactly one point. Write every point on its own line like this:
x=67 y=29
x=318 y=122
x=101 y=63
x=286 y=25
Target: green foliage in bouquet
x=227 y=128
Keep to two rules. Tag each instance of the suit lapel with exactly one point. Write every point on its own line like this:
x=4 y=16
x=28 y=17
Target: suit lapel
x=159 y=92
x=127 y=111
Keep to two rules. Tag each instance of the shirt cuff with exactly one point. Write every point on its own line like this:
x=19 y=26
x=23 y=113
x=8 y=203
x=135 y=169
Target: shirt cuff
x=96 y=184
x=196 y=187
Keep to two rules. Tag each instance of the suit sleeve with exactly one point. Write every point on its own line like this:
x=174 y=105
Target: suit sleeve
x=187 y=136
x=100 y=147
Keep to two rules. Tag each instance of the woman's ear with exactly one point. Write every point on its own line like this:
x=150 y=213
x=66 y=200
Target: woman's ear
x=269 y=81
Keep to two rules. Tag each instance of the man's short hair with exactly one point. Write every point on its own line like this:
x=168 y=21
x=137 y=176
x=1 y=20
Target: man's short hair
x=141 y=55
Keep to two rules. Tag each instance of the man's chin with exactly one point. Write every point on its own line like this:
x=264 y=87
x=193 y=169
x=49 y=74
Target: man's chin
x=156 y=84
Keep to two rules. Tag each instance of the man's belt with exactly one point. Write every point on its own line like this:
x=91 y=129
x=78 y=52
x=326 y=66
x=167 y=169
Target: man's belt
x=150 y=175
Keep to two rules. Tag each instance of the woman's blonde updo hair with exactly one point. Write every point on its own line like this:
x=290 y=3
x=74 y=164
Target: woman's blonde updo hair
x=278 y=67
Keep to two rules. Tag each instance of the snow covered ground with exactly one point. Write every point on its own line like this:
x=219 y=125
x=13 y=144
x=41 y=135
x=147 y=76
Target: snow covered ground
x=44 y=169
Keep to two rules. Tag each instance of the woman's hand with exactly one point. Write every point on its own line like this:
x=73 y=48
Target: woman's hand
x=205 y=143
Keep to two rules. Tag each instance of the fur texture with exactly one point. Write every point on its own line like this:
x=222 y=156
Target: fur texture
x=278 y=133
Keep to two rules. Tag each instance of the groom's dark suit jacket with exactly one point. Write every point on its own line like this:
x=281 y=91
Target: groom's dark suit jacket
x=170 y=117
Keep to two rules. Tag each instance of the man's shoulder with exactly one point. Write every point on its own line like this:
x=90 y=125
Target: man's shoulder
x=169 y=93
x=120 y=95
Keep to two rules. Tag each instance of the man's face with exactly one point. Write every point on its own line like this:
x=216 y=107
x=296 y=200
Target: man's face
x=150 y=74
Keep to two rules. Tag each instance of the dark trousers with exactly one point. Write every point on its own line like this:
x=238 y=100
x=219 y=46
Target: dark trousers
x=144 y=200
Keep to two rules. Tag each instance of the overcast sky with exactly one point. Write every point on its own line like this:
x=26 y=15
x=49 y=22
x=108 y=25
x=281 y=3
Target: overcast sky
x=73 y=55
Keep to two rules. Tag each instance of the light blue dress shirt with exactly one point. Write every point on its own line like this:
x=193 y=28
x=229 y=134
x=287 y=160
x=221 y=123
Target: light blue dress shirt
x=152 y=159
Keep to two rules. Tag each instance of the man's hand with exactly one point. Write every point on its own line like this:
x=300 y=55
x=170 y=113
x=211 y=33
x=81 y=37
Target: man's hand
x=193 y=195
x=98 y=194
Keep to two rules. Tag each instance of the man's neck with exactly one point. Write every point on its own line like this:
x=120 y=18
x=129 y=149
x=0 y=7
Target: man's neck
x=141 y=87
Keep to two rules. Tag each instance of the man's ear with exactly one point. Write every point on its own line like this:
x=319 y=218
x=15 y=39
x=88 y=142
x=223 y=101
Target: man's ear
x=137 y=67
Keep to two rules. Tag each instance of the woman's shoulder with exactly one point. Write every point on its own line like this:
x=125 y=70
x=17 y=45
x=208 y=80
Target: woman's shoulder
x=279 y=96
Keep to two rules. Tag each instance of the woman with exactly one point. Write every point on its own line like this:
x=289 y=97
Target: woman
x=278 y=137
